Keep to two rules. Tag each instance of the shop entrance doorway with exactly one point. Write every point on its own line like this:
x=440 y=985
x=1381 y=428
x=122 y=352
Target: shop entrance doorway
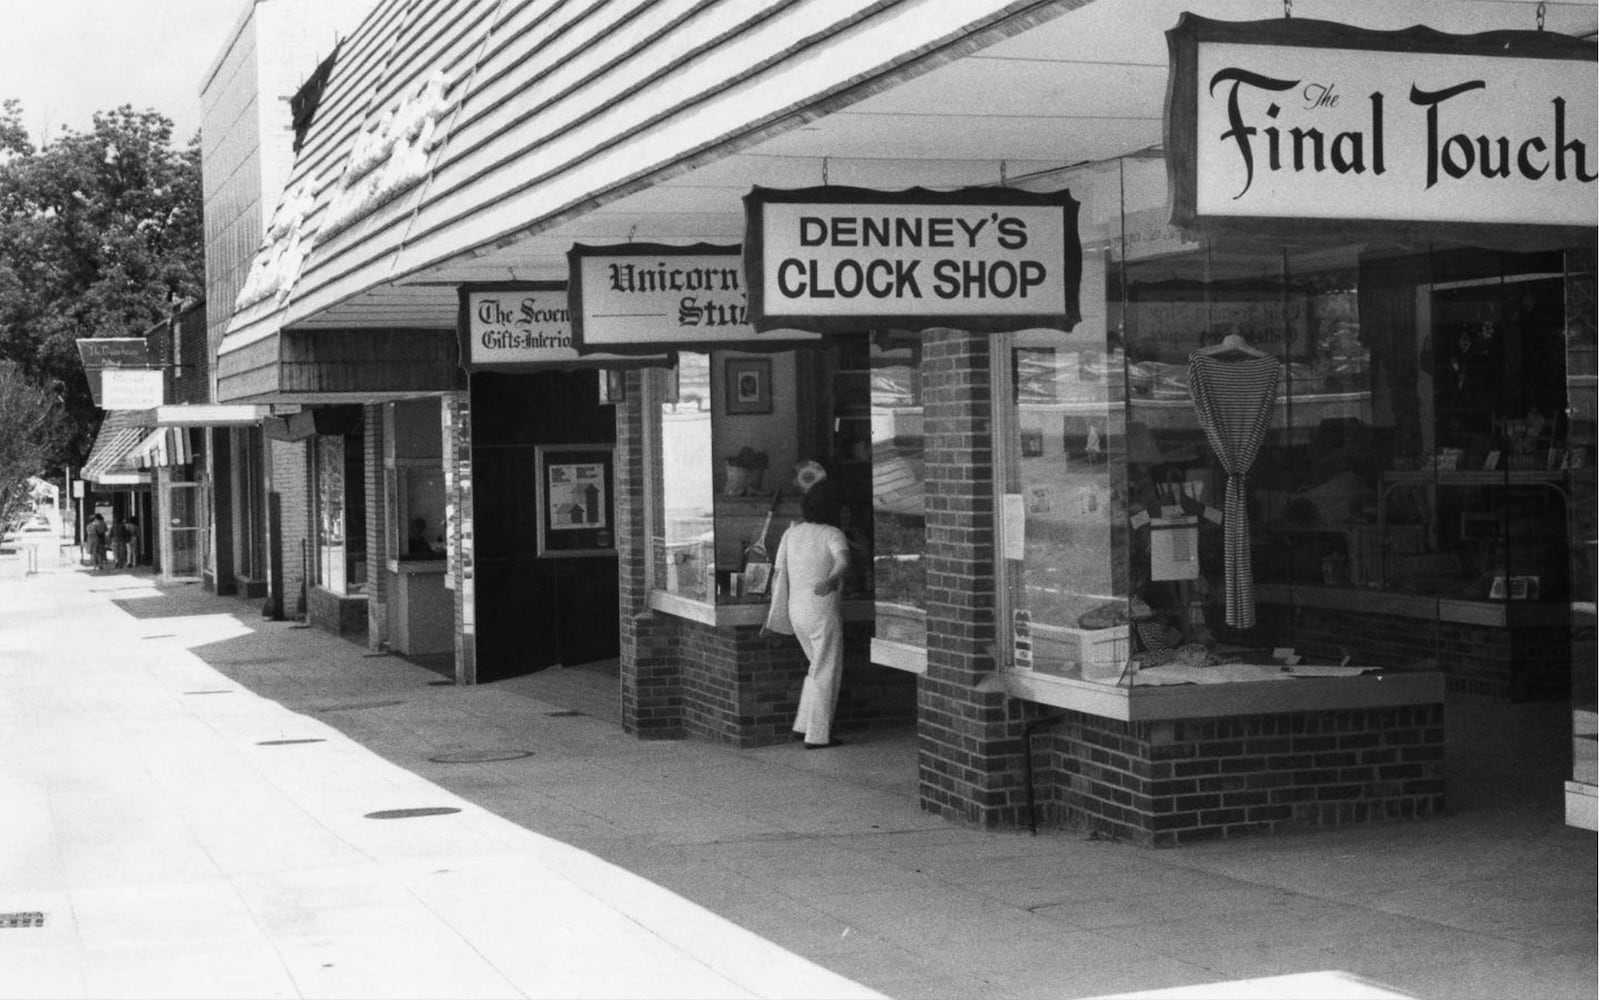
x=545 y=594
x=182 y=551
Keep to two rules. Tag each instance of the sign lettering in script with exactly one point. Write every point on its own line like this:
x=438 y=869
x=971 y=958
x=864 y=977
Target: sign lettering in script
x=648 y=295
x=514 y=325
x=1276 y=120
x=847 y=258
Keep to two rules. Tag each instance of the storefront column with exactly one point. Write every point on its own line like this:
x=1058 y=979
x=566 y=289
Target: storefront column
x=456 y=418
x=650 y=684
x=378 y=516
x=969 y=748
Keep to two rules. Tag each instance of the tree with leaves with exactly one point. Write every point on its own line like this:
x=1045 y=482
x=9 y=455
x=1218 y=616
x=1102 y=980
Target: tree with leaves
x=100 y=236
x=33 y=426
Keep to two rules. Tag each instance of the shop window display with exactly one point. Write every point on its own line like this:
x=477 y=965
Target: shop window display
x=685 y=543
x=734 y=429
x=340 y=540
x=898 y=478
x=1296 y=440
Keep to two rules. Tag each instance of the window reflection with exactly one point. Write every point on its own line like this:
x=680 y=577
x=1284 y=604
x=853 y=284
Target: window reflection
x=685 y=547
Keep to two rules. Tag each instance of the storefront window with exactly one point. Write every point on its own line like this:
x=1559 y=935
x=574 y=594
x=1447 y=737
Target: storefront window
x=340 y=517
x=734 y=429
x=898 y=478
x=685 y=544
x=1322 y=454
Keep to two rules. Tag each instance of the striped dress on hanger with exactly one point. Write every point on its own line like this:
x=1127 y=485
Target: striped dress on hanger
x=1233 y=399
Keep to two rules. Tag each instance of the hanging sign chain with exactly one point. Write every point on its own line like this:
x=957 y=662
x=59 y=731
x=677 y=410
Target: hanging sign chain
x=1538 y=16
x=824 y=171
x=1288 y=9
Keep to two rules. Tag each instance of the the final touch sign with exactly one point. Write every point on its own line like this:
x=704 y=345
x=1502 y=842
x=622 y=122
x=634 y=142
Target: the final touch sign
x=1307 y=119
x=850 y=259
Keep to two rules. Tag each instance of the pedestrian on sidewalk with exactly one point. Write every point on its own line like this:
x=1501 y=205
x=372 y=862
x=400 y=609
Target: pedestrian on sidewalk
x=120 y=536
x=97 y=542
x=807 y=576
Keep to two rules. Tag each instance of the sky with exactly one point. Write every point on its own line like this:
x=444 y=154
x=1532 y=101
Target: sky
x=66 y=59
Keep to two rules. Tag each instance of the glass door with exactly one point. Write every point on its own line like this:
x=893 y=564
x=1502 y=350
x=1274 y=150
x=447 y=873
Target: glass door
x=182 y=537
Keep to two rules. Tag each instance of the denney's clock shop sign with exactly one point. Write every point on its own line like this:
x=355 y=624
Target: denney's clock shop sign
x=1298 y=119
x=850 y=259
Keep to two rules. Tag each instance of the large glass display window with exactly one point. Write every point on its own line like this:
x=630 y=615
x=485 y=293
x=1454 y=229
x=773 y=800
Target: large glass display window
x=1325 y=456
x=732 y=432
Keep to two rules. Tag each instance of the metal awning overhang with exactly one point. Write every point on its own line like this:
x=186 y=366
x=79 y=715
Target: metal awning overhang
x=347 y=365
x=910 y=93
x=110 y=461
x=206 y=415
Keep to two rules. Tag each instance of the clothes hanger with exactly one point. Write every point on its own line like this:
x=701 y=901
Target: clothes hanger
x=1233 y=343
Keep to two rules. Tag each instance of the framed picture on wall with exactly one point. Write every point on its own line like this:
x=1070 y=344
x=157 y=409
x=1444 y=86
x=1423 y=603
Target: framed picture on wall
x=576 y=490
x=748 y=387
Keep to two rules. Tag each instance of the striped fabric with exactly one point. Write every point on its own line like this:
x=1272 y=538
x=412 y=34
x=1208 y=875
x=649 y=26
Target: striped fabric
x=1233 y=398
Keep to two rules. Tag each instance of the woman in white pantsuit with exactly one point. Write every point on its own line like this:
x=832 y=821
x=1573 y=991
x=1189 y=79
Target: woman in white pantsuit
x=806 y=580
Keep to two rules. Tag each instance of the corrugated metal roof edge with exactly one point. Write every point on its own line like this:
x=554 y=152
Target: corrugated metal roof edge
x=1015 y=18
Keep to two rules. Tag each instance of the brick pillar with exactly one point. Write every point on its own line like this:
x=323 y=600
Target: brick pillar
x=289 y=477
x=455 y=416
x=651 y=685
x=969 y=747
x=378 y=515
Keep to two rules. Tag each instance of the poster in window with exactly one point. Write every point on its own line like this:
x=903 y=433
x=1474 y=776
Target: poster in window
x=576 y=485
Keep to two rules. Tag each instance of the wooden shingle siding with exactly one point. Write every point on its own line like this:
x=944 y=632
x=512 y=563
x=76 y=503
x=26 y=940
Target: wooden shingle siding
x=565 y=105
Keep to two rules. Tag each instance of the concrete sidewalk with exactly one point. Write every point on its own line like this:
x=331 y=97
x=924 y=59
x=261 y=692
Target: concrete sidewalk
x=188 y=789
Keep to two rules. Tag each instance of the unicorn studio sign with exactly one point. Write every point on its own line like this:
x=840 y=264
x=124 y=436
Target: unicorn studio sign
x=843 y=259
x=1297 y=119
x=648 y=296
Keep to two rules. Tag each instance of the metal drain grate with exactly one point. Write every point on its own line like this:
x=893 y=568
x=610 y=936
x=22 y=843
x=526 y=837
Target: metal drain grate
x=479 y=756
x=412 y=813
x=28 y=918
x=567 y=713
x=285 y=743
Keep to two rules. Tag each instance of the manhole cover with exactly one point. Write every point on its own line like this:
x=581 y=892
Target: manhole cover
x=356 y=706
x=479 y=756
x=30 y=918
x=285 y=743
x=411 y=813
x=566 y=714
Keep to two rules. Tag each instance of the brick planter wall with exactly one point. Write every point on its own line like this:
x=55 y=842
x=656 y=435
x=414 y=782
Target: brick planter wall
x=1160 y=784
x=346 y=616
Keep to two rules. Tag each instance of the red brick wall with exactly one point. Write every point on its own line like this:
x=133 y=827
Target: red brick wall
x=650 y=688
x=969 y=741
x=289 y=476
x=1177 y=782
x=377 y=528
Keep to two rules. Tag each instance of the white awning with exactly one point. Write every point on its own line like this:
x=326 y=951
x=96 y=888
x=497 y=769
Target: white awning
x=207 y=415
x=162 y=448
